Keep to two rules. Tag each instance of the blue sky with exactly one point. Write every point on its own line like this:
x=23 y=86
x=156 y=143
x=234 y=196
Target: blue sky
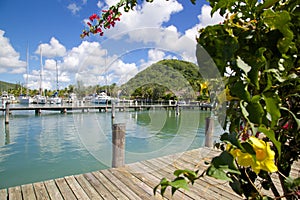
x=162 y=29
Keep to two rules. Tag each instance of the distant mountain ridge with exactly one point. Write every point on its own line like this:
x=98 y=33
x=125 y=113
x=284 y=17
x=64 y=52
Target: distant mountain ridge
x=176 y=75
x=4 y=86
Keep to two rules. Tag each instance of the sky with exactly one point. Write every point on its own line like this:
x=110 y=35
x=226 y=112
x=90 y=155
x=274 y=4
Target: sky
x=40 y=42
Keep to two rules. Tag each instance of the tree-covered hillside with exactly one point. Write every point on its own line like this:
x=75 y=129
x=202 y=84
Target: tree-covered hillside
x=5 y=86
x=176 y=77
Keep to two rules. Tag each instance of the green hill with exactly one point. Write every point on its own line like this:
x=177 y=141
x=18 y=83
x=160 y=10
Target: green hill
x=181 y=78
x=5 y=86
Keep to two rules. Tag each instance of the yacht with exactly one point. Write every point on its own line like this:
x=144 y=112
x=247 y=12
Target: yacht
x=101 y=98
x=39 y=99
x=54 y=99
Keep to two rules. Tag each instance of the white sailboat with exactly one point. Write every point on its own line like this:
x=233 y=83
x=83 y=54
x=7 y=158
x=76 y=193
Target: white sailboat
x=26 y=99
x=102 y=98
x=40 y=99
x=55 y=99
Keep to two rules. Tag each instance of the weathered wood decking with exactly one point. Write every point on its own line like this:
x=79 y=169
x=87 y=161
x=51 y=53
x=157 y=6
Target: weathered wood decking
x=134 y=181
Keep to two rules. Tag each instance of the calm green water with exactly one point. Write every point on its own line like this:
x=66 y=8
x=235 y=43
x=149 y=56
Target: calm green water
x=35 y=148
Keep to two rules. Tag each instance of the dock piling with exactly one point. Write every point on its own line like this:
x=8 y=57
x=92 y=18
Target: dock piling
x=209 y=131
x=118 y=142
x=7 y=113
x=113 y=110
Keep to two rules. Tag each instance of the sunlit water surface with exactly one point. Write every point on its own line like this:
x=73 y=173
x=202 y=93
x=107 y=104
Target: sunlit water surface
x=36 y=148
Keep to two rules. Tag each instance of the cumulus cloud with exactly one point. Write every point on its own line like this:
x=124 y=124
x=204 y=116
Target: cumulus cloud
x=205 y=19
x=88 y=56
x=10 y=59
x=74 y=8
x=51 y=50
x=146 y=15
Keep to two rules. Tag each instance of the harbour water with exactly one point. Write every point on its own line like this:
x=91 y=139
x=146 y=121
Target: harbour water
x=51 y=145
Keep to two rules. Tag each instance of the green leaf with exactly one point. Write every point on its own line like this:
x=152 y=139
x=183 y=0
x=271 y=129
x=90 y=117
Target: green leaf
x=179 y=182
x=246 y=114
x=267 y=4
x=271 y=135
x=221 y=165
x=242 y=65
x=256 y=112
x=164 y=183
x=217 y=173
x=248 y=148
x=291 y=183
x=236 y=186
x=280 y=20
x=232 y=138
x=272 y=106
x=178 y=172
x=239 y=89
x=294 y=116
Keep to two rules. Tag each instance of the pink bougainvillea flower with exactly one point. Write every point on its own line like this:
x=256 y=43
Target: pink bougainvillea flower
x=286 y=126
x=94 y=16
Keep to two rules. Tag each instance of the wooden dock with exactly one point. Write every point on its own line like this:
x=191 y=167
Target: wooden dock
x=100 y=107
x=134 y=181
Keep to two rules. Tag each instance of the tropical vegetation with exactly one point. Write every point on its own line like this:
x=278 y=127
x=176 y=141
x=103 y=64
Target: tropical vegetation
x=258 y=43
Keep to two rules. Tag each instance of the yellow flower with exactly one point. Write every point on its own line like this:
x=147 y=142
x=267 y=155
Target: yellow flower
x=264 y=156
x=243 y=159
x=263 y=159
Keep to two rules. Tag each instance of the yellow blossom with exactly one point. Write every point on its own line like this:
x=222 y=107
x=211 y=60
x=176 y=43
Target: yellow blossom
x=264 y=156
x=263 y=159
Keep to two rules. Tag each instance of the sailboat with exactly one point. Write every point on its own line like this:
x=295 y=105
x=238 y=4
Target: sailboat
x=55 y=99
x=40 y=99
x=26 y=99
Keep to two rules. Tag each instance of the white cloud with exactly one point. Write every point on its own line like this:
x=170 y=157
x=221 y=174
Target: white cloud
x=100 y=4
x=74 y=8
x=54 y=49
x=10 y=59
x=122 y=72
x=84 y=2
x=87 y=56
x=205 y=19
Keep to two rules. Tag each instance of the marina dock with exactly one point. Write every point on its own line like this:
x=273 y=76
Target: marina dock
x=133 y=181
x=101 y=107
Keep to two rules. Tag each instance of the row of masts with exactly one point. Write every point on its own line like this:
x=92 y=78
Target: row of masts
x=41 y=73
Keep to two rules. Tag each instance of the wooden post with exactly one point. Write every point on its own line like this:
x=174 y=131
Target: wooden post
x=118 y=141
x=209 y=131
x=177 y=109
x=38 y=111
x=7 y=137
x=7 y=112
x=113 y=110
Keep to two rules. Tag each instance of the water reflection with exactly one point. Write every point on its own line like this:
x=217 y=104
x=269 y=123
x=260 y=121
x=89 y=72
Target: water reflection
x=35 y=148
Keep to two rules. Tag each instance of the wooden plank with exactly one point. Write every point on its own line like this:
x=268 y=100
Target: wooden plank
x=3 y=194
x=132 y=184
x=40 y=191
x=123 y=187
x=194 y=191
x=167 y=172
x=76 y=188
x=53 y=190
x=28 y=192
x=216 y=187
x=137 y=170
x=105 y=194
x=14 y=193
x=115 y=191
x=64 y=188
x=87 y=187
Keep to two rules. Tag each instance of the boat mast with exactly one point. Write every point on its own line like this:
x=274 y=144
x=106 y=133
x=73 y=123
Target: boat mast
x=27 y=69
x=56 y=77
x=41 y=73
